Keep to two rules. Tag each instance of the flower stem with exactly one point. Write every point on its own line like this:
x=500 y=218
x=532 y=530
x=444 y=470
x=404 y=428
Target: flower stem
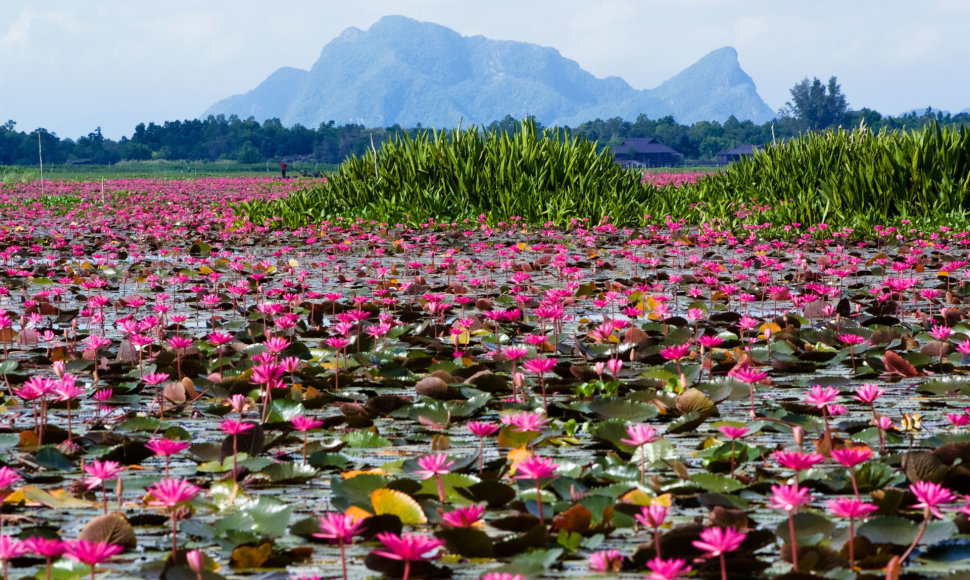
x=441 y=488
x=542 y=520
x=791 y=538
x=919 y=536
x=343 y=558
x=851 y=544
x=174 y=534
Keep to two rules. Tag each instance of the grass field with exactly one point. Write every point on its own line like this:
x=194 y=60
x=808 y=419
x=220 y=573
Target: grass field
x=159 y=169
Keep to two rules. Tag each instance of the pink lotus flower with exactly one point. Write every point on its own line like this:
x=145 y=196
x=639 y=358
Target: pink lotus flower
x=8 y=477
x=821 y=396
x=100 y=472
x=797 y=460
x=171 y=493
x=408 y=548
x=709 y=341
x=179 y=342
x=501 y=576
x=940 y=332
x=745 y=374
x=525 y=421
x=671 y=569
x=606 y=561
x=276 y=344
x=852 y=339
x=304 y=423
x=234 y=426
x=717 y=541
x=163 y=447
x=339 y=529
x=434 y=464
x=10 y=549
x=931 y=496
x=539 y=365
x=732 y=431
x=851 y=508
x=537 y=468
x=482 y=429
x=91 y=553
x=789 y=497
x=851 y=456
x=46 y=548
x=463 y=517
x=639 y=434
x=614 y=365
x=515 y=352
x=675 y=352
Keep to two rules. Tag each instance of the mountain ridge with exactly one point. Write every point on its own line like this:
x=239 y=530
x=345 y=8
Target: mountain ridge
x=402 y=71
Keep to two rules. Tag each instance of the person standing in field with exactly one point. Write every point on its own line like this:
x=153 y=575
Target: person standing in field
x=283 y=168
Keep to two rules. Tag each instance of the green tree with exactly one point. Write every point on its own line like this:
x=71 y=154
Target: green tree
x=815 y=105
x=248 y=153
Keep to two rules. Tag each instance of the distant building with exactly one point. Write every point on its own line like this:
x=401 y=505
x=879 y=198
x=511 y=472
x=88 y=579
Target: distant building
x=729 y=155
x=645 y=152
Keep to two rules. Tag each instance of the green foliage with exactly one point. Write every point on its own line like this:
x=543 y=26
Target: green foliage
x=455 y=175
x=849 y=178
x=857 y=179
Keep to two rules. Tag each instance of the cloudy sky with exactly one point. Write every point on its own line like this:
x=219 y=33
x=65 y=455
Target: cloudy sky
x=73 y=65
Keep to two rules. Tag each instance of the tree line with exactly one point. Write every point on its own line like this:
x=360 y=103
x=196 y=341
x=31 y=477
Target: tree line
x=815 y=105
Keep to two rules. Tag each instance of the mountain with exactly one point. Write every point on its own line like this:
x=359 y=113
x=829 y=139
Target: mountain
x=402 y=71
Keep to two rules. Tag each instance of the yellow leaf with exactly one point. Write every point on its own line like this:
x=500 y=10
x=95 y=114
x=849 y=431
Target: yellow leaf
x=636 y=497
x=523 y=246
x=356 y=472
x=247 y=557
x=55 y=498
x=358 y=513
x=517 y=456
x=769 y=326
x=398 y=503
x=205 y=270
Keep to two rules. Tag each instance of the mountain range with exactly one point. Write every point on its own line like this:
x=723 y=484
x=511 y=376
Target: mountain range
x=403 y=71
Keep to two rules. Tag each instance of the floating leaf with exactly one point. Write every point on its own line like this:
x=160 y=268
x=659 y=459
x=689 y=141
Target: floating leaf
x=467 y=542
x=902 y=532
x=248 y=557
x=400 y=504
x=716 y=482
x=623 y=410
x=810 y=528
x=363 y=438
x=112 y=528
x=56 y=498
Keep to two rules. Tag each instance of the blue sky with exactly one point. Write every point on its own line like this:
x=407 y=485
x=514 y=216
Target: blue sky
x=73 y=65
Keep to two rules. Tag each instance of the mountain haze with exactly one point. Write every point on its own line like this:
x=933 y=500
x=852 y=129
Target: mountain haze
x=402 y=71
